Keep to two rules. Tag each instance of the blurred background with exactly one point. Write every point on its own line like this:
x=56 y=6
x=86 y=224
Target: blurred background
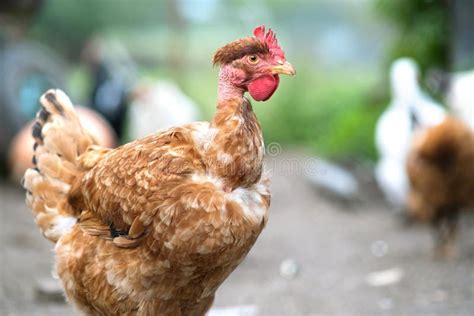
x=337 y=242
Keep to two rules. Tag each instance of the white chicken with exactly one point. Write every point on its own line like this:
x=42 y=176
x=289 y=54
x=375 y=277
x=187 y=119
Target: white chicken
x=158 y=105
x=460 y=96
x=410 y=109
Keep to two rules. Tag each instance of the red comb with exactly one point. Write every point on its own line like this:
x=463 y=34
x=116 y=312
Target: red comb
x=270 y=40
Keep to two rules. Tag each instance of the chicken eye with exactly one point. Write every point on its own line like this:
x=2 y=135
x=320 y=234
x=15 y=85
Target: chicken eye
x=253 y=59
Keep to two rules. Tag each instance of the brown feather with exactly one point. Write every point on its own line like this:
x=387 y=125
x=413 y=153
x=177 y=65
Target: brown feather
x=238 y=49
x=441 y=172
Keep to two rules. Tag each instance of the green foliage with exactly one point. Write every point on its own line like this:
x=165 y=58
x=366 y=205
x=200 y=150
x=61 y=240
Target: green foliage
x=329 y=114
x=65 y=25
x=423 y=30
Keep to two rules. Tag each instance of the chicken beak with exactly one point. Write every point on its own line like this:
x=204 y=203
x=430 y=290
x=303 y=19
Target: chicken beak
x=284 y=69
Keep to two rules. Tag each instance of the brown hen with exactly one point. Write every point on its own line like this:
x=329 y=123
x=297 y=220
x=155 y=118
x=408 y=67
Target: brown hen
x=155 y=226
x=441 y=171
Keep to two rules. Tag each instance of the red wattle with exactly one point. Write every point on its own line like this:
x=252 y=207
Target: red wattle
x=262 y=88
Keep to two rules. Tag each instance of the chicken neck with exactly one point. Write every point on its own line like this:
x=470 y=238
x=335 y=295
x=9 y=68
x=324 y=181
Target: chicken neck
x=236 y=152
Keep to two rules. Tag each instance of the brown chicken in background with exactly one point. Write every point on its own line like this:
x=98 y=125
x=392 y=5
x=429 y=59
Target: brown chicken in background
x=441 y=172
x=155 y=226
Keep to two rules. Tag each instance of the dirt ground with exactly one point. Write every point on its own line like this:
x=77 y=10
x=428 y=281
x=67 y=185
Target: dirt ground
x=328 y=249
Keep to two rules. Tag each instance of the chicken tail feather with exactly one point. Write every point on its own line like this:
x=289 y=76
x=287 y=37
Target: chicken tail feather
x=59 y=141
